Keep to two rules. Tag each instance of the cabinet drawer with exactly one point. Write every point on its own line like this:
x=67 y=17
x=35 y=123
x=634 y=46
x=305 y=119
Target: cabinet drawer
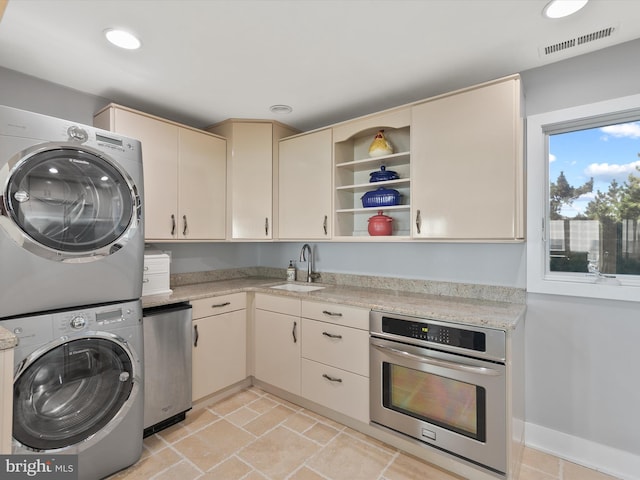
x=155 y=283
x=205 y=307
x=156 y=264
x=336 y=345
x=348 y=316
x=342 y=391
x=279 y=304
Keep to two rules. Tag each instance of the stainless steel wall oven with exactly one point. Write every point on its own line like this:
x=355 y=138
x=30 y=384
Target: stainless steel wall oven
x=441 y=383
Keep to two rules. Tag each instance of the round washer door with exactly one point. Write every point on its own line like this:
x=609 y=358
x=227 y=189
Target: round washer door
x=71 y=392
x=71 y=202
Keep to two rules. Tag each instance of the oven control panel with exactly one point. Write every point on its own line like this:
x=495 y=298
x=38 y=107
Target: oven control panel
x=434 y=333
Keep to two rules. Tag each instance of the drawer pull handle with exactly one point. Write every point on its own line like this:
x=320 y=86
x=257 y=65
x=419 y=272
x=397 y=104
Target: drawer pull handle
x=324 y=225
x=293 y=332
x=186 y=228
x=173 y=224
x=196 y=335
x=220 y=305
x=331 y=335
x=332 y=314
x=332 y=379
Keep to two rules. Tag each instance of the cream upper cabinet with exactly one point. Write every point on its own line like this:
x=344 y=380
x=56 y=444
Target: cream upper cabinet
x=252 y=162
x=184 y=175
x=202 y=185
x=304 y=191
x=467 y=164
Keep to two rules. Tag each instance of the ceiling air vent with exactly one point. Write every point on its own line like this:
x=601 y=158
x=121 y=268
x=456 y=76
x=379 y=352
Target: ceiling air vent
x=577 y=41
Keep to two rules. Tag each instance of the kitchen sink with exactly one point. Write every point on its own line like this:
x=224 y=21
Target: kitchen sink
x=296 y=287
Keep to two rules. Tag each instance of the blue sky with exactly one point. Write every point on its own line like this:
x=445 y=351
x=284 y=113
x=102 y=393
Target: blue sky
x=603 y=153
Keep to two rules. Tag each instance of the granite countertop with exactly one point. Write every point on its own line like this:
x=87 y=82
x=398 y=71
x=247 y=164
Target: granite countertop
x=7 y=339
x=469 y=311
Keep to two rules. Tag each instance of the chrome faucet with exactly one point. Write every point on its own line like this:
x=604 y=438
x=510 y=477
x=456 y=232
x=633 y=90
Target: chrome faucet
x=306 y=255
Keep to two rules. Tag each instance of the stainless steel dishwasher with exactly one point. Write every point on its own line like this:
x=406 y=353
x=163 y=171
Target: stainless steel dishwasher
x=167 y=365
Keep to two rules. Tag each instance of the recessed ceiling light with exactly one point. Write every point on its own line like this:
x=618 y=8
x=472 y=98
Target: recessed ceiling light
x=122 y=39
x=281 y=109
x=562 y=8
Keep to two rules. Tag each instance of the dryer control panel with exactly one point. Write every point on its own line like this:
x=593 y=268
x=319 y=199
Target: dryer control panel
x=96 y=318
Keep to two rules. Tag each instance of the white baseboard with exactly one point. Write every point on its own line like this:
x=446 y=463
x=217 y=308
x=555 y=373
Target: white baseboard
x=618 y=463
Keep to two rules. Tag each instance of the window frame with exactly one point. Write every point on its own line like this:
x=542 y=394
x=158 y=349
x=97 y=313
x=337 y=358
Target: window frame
x=539 y=279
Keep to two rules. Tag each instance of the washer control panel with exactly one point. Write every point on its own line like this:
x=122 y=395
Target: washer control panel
x=96 y=319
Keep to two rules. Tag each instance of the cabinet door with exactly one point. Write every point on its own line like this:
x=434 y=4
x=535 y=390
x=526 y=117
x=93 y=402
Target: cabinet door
x=202 y=186
x=251 y=181
x=304 y=187
x=160 y=161
x=467 y=165
x=277 y=350
x=220 y=353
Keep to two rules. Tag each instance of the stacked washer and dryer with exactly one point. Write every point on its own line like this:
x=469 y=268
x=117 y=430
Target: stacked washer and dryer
x=71 y=261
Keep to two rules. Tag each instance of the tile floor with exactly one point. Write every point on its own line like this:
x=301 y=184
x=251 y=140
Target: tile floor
x=254 y=435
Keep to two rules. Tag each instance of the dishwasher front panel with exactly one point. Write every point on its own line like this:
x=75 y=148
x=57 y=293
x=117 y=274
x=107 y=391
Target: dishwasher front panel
x=167 y=356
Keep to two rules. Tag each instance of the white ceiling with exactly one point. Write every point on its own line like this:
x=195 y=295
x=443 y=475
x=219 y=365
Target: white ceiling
x=208 y=60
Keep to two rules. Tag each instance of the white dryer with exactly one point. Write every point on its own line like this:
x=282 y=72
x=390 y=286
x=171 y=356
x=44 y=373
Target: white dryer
x=71 y=230
x=79 y=387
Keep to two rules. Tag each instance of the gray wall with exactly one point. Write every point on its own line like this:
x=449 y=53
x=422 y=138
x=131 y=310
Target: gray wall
x=582 y=357
x=581 y=376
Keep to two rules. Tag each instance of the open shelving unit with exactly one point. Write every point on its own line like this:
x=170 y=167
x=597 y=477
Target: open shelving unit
x=353 y=166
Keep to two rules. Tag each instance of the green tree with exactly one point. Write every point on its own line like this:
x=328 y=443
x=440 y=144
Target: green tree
x=606 y=204
x=561 y=193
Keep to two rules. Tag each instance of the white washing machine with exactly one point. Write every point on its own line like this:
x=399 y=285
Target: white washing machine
x=71 y=227
x=78 y=386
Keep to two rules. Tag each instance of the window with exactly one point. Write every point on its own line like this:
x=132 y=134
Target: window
x=584 y=201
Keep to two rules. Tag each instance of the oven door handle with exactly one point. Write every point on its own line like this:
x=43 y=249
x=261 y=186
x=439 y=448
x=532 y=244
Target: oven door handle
x=439 y=363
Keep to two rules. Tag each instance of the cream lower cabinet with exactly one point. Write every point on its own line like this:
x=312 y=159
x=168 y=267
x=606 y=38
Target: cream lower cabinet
x=277 y=341
x=467 y=165
x=219 y=343
x=335 y=357
x=304 y=187
x=184 y=175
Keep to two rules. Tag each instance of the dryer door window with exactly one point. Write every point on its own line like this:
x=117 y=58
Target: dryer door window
x=70 y=393
x=70 y=200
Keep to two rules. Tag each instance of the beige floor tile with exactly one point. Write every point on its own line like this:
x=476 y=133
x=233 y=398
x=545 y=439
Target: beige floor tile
x=198 y=419
x=278 y=453
x=321 y=433
x=406 y=467
x=541 y=461
x=174 y=433
x=148 y=467
x=182 y=470
x=268 y=420
x=213 y=444
x=571 y=471
x=234 y=402
x=300 y=422
x=152 y=444
x=530 y=473
x=255 y=476
x=306 y=474
x=262 y=405
x=231 y=469
x=348 y=458
x=366 y=438
x=242 y=416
